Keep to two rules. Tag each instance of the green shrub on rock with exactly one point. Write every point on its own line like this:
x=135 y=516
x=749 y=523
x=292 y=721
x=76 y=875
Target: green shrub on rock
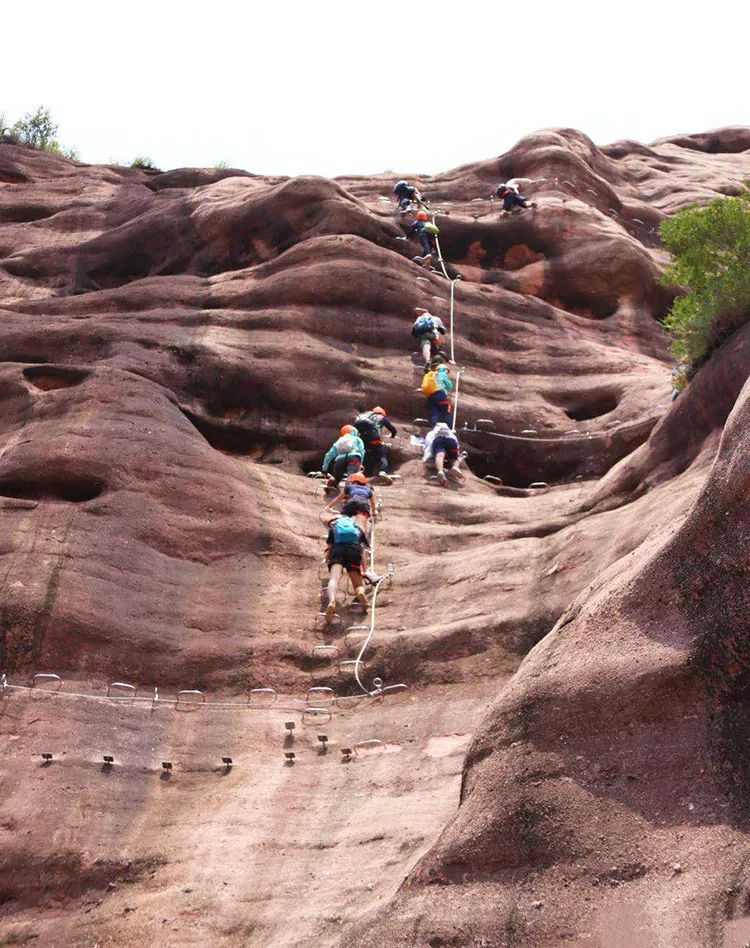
x=710 y=249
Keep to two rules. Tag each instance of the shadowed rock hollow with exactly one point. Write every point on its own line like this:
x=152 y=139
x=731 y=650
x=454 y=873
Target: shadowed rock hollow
x=178 y=349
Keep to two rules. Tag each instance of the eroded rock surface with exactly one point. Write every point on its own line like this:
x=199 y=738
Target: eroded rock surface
x=178 y=351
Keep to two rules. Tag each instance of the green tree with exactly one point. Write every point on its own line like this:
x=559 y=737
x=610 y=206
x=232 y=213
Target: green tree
x=710 y=249
x=144 y=162
x=37 y=130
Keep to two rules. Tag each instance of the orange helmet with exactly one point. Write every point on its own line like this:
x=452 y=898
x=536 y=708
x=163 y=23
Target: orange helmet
x=347 y=429
x=423 y=216
x=357 y=478
x=377 y=410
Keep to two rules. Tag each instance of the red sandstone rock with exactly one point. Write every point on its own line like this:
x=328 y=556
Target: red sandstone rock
x=178 y=349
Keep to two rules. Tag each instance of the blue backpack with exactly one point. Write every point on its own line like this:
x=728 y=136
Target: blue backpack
x=345 y=530
x=422 y=325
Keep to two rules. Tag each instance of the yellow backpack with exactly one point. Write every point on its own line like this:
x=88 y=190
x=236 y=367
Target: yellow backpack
x=429 y=383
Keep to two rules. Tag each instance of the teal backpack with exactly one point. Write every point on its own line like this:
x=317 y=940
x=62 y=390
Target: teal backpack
x=345 y=530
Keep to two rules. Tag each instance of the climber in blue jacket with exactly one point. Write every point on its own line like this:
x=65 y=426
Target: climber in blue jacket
x=345 y=546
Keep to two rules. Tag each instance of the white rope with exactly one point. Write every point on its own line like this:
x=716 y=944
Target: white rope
x=440 y=255
x=171 y=703
x=455 y=400
x=365 y=644
x=453 y=350
x=161 y=701
x=372 y=542
x=373 y=608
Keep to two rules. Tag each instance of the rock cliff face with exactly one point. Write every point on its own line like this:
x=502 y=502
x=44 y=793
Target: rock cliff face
x=178 y=350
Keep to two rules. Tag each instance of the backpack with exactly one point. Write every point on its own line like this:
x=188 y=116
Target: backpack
x=432 y=229
x=422 y=325
x=429 y=384
x=366 y=427
x=345 y=530
x=344 y=445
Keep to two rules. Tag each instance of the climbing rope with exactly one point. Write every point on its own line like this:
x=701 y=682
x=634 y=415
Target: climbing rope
x=455 y=399
x=453 y=350
x=440 y=253
x=452 y=312
x=373 y=608
x=366 y=643
x=373 y=603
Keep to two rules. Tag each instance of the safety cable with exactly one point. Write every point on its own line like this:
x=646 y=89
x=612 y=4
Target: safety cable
x=373 y=607
x=452 y=309
x=453 y=350
x=440 y=253
x=173 y=703
x=455 y=400
x=365 y=644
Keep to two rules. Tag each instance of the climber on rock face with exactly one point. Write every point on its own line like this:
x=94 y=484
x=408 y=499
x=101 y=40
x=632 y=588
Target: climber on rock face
x=427 y=330
x=435 y=387
x=369 y=425
x=345 y=546
x=359 y=501
x=427 y=233
x=406 y=195
x=510 y=193
x=441 y=449
x=346 y=454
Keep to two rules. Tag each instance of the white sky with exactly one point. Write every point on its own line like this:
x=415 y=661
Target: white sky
x=333 y=88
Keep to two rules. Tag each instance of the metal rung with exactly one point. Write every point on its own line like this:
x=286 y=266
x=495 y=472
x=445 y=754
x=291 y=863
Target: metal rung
x=370 y=742
x=529 y=431
x=190 y=696
x=349 y=666
x=316 y=716
x=485 y=422
x=319 y=694
x=130 y=691
x=539 y=484
x=394 y=691
x=492 y=479
x=46 y=678
x=261 y=697
x=330 y=652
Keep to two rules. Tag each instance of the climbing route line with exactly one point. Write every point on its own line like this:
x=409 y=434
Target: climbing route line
x=120 y=693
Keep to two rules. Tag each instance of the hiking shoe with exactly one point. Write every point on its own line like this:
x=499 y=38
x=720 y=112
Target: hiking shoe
x=362 y=600
x=442 y=479
x=330 y=611
x=385 y=477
